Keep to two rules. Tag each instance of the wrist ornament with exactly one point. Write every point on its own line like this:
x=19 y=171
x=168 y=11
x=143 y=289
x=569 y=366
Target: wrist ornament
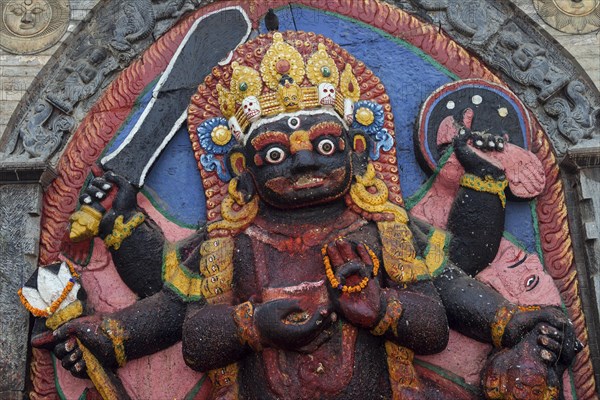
x=122 y=231
x=117 y=335
x=487 y=184
x=393 y=312
x=503 y=317
x=243 y=316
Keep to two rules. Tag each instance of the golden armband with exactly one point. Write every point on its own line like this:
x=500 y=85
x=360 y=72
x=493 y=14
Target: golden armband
x=503 y=317
x=243 y=316
x=393 y=312
x=488 y=185
x=117 y=335
x=122 y=231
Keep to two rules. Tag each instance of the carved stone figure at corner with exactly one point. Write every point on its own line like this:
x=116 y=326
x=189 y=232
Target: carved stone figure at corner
x=82 y=78
x=528 y=63
x=41 y=133
x=140 y=17
x=470 y=18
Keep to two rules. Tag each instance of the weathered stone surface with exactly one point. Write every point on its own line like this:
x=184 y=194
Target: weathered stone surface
x=20 y=206
x=28 y=27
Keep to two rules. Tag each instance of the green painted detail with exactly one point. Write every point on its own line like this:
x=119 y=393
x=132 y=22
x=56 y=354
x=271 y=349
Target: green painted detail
x=134 y=109
x=192 y=275
x=194 y=391
x=184 y=297
x=326 y=72
x=85 y=261
x=536 y=230
x=59 y=391
x=448 y=375
x=413 y=200
x=243 y=86
x=157 y=204
x=511 y=238
x=420 y=53
x=572 y=382
x=84 y=395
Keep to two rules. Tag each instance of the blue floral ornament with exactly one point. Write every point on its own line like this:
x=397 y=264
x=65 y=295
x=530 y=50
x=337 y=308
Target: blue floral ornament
x=216 y=138
x=369 y=117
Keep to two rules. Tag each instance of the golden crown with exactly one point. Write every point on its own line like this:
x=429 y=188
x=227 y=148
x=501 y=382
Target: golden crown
x=278 y=87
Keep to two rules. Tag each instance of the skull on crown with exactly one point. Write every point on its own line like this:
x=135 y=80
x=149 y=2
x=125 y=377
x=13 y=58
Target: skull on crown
x=251 y=107
x=326 y=94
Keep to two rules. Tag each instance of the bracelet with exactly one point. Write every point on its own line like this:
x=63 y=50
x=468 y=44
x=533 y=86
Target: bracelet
x=122 y=231
x=393 y=312
x=503 y=317
x=243 y=316
x=117 y=335
x=488 y=185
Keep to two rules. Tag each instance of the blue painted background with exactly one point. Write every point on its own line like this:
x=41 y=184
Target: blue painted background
x=409 y=77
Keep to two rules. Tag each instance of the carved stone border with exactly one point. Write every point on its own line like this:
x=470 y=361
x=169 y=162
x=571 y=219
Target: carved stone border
x=568 y=111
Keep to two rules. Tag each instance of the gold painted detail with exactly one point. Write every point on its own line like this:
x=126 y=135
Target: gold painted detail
x=349 y=84
x=365 y=116
x=225 y=377
x=98 y=375
x=401 y=369
x=117 y=335
x=216 y=264
x=436 y=254
x=221 y=135
x=245 y=82
x=503 y=316
x=122 y=231
x=180 y=279
x=85 y=224
x=321 y=68
x=235 y=212
x=393 y=312
x=501 y=319
x=283 y=95
x=243 y=316
x=399 y=257
x=62 y=316
x=281 y=52
x=488 y=185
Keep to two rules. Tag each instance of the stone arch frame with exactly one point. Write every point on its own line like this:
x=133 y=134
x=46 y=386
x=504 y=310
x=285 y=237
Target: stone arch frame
x=573 y=141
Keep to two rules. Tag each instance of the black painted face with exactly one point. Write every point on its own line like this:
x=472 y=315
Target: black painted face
x=300 y=161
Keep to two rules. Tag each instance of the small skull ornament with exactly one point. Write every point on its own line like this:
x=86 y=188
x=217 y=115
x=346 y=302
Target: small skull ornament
x=235 y=128
x=251 y=108
x=348 y=111
x=326 y=94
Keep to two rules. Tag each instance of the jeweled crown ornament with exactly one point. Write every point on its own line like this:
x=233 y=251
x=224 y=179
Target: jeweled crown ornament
x=279 y=87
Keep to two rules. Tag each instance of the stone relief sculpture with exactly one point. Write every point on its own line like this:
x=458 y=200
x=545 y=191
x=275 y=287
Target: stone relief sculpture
x=310 y=278
x=82 y=78
x=30 y=26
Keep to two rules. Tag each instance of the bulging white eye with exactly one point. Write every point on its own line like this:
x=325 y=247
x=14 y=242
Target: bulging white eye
x=275 y=155
x=326 y=147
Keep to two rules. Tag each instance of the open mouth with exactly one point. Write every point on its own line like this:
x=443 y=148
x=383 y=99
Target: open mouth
x=307 y=182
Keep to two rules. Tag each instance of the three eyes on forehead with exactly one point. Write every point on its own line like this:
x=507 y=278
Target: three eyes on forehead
x=274 y=146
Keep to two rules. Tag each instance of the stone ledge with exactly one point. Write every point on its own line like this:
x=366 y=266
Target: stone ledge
x=13 y=172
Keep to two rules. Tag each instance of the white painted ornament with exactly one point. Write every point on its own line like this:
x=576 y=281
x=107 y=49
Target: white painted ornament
x=235 y=128
x=327 y=94
x=348 y=111
x=251 y=108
